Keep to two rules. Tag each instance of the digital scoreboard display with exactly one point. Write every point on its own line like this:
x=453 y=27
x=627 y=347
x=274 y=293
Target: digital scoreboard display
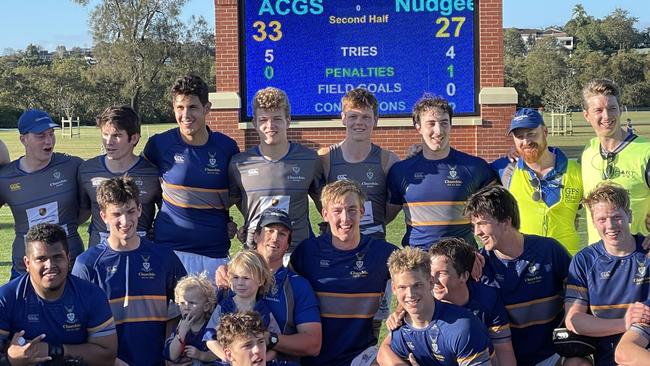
x=317 y=50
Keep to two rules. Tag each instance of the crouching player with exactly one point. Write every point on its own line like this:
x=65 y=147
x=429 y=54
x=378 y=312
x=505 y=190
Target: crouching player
x=434 y=332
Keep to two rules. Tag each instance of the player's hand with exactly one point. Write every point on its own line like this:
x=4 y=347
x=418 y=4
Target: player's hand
x=21 y=352
x=412 y=360
x=477 y=269
x=242 y=235
x=413 y=150
x=512 y=155
x=231 y=228
x=221 y=277
x=192 y=352
x=395 y=320
x=637 y=313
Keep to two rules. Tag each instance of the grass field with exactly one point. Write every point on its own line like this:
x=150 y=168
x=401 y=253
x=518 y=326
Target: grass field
x=88 y=145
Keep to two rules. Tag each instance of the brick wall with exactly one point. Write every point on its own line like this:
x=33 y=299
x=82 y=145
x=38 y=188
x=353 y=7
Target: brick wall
x=488 y=140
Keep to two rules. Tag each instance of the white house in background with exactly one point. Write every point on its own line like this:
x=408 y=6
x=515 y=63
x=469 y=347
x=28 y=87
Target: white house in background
x=530 y=35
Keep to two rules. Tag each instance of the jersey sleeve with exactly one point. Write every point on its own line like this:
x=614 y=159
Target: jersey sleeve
x=81 y=269
x=484 y=173
x=394 y=185
x=398 y=344
x=150 y=151
x=472 y=345
x=306 y=308
x=211 y=329
x=175 y=273
x=168 y=343
x=100 y=322
x=6 y=308
x=577 y=287
x=499 y=329
x=318 y=182
x=84 y=199
x=234 y=183
x=296 y=261
x=562 y=260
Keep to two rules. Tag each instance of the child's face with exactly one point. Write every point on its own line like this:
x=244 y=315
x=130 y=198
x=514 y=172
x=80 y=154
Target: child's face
x=247 y=351
x=243 y=284
x=413 y=290
x=193 y=304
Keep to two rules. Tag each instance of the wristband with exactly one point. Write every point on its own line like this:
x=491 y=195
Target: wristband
x=56 y=353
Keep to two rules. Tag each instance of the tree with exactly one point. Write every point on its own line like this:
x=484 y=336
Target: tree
x=544 y=65
x=513 y=44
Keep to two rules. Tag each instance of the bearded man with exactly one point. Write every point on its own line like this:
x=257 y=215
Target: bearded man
x=546 y=185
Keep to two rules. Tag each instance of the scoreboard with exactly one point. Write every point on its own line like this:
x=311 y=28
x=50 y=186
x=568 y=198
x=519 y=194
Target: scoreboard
x=317 y=50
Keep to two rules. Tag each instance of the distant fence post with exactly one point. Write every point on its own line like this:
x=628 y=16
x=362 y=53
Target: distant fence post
x=68 y=127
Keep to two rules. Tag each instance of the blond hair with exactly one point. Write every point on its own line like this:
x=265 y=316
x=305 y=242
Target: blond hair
x=197 y=281
x=335 y=192
x=256 y=265
x=600 y=87
x=608 y=192
x=359 y=98
x=271 y=99
x=409 y=259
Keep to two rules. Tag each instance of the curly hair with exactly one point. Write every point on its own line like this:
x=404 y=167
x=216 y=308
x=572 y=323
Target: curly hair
x=239 y=325
x=429 y=102
x=46 y=233
x=271 y=99
x=191 y=85
x=458 y=252
x=199 y=282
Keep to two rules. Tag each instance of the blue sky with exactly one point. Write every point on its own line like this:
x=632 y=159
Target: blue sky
x=49 y=23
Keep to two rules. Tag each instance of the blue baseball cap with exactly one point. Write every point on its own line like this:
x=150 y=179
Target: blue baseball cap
x=526 y=118
x=35 y=121
x=272 y=216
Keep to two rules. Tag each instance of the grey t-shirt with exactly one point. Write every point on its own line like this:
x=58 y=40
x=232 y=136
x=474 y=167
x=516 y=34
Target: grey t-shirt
x=257 y=184
x=370 y=174
x=47 y=195
x=94 y=171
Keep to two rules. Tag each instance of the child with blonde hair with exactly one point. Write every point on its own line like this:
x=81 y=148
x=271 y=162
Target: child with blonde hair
x=250 y=279
x=196 y=299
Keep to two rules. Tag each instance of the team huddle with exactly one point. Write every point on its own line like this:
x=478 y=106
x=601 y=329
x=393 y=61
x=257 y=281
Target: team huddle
x=155 y=284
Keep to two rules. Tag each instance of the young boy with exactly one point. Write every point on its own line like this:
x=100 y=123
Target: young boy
x=242 y=337
x=434 y=331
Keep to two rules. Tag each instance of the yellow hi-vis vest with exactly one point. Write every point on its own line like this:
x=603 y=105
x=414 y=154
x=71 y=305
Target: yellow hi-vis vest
x=556 y=221
x=629 y=171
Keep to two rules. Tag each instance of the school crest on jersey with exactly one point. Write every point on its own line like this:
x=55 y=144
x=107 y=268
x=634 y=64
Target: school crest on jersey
x=294 y=174
x=58 y=179
x=71 y=320
x=146 y=272
x=453 y=179
x=533 y=273
x=359 y=270
x=212 y=161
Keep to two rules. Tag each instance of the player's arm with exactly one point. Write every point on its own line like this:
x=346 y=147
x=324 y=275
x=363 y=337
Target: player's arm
x=386 y=356
x=306 y=342
x=4 y=154
x=579 y=322
x=216 y=348
x=392 y=211
x=96 y=351
x=388 y=158
x=632 y=349
x=324 y=155
x=505 y=354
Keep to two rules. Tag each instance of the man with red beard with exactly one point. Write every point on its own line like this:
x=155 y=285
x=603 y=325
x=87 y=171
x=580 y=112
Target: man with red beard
x=546 y=185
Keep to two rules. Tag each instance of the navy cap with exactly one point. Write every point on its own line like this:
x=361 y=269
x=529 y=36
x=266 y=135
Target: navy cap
x=35 y=121
x=272 y=216
x=526 y=118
